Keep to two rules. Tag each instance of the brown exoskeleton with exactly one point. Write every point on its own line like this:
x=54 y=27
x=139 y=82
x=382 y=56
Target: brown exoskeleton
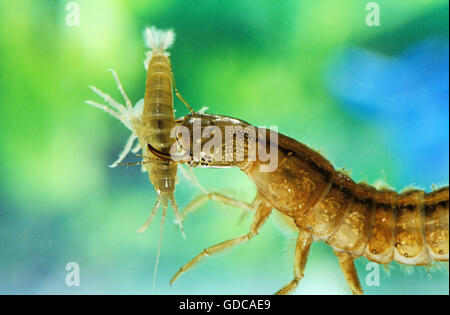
x=324 y=204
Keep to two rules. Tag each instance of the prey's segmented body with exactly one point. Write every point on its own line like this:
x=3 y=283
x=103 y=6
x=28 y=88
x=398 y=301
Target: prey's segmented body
x=325 y=204
x=150 y=122
x=158 y=118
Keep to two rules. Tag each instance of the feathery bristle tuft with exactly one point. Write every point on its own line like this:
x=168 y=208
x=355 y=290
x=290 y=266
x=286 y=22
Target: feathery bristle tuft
x=158 y=39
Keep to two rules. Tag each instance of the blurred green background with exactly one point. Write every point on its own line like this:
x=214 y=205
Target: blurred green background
x=371 y=99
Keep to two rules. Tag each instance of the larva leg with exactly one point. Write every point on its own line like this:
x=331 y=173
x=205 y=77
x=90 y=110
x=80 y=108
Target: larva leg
x=109 y=100
x=194 y=179
x=136 y=148
x=151 y=216
x=349 y=270
x=176 y=211
x=122 y=91
x=304 y=241
x=148 y=161
x=262 y=213
x=105 y=108
x=220 y=198
x=189 y=174
x=125 y=151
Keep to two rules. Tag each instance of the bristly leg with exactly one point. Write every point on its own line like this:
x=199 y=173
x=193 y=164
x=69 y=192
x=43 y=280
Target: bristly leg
x=126 y=114
x=301 y=256
x=136 y=148
x=346 y=261
x=151 y=215
x=122 y=91
x=125 y=151
x=190 y=176
x=261 y=215
x=109 y=99
x=176 y=211
x=162 y=201
x=198 y=202
x=105 y=108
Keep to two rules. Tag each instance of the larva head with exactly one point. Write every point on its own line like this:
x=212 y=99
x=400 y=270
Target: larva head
x=206 y=140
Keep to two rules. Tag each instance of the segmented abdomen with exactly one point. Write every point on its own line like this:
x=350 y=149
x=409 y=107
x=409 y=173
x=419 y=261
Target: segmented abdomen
x=158 y=120
x=411 y=228
x=436 y=224
x=158 y=115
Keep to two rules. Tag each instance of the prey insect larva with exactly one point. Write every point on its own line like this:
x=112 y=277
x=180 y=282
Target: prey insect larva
x=326 y=205
x=151 y=121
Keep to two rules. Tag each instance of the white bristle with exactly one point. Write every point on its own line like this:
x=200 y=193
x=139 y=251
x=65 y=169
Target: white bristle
x=158 y=39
